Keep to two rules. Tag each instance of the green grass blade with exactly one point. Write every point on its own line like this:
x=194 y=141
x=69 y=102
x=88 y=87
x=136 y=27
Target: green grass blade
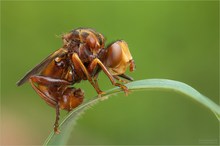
x=68 y=122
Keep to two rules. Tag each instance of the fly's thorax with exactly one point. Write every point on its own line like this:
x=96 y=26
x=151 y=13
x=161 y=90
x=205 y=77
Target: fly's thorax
x=86 y=37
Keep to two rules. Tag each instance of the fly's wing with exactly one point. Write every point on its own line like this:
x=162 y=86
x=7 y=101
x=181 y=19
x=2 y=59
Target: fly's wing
x=40 y=66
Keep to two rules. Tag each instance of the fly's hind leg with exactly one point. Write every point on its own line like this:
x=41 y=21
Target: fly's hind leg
x=119 y=79
x=40 y=85
x=56 y=124
x=96 y=84
x=96 y=62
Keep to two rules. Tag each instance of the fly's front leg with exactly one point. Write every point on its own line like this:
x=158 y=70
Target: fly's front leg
x=96 y=62
x=78 y=64
x=119 y=79
x=128 y=78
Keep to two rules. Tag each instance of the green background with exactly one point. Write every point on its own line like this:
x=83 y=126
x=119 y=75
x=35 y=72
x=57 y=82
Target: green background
x=167 y=39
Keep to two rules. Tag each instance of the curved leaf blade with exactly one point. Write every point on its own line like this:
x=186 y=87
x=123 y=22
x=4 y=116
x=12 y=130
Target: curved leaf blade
x=66 y=125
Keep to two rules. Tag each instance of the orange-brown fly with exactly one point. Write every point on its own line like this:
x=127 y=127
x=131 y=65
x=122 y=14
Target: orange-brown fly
x=82 y=57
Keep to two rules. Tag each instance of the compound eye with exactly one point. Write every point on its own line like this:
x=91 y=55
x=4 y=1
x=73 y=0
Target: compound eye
x=114 y=55
x=59 y=62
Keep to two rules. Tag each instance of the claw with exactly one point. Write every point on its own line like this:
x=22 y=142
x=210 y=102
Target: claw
x=100 y=93
x=56 y=130
x=124 y=88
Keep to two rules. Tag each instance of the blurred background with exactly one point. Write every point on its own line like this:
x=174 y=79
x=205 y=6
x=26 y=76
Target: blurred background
x=171 y=40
